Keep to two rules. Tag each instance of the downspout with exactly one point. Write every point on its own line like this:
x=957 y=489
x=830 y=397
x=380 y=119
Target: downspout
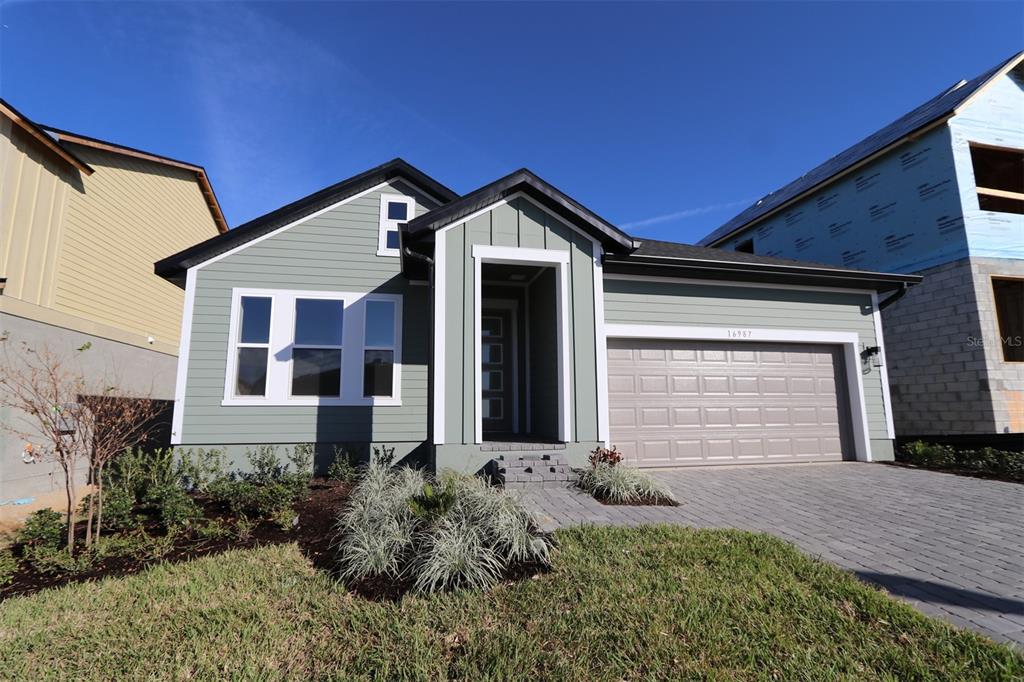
x=895 y=297
x=406 y=251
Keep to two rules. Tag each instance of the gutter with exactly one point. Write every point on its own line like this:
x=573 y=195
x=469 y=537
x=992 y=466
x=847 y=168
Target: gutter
x=882 y=305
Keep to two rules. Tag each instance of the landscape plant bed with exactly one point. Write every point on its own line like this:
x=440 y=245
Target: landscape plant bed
x=970 y=473
x=316 y=513
x=652 y=603
x=988 y=463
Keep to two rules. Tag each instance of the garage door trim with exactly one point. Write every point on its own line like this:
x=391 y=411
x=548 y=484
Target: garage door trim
x=849 y=341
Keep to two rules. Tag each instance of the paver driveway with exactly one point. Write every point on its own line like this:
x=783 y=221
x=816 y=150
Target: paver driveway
x=952 y=546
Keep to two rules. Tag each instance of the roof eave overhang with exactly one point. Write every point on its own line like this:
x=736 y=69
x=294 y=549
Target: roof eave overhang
x=173 y=267
x=613 y=239
x=769 y=274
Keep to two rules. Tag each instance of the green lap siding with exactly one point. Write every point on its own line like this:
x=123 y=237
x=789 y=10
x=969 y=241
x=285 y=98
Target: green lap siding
x=334 y=251
x=519 y=224
x=721 y=305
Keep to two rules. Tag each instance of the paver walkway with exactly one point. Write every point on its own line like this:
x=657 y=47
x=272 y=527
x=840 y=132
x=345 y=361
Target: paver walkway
x=950 y=545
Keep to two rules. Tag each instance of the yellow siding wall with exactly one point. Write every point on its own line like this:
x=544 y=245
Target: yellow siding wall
x=34 y=189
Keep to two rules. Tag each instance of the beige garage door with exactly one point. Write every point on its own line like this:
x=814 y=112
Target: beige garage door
x=678 y=403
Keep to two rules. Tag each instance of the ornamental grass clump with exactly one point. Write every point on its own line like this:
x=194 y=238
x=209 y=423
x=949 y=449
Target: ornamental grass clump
x=608 y=480
x=456 y=532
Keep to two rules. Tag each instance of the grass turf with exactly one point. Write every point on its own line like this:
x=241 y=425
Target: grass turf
x=648 y=603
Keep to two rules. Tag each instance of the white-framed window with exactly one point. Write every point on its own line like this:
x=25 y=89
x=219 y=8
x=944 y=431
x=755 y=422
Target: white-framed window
x=317 y=347
x=252 y=346
x=379 y=349
x=395 y=209
x=313 y=348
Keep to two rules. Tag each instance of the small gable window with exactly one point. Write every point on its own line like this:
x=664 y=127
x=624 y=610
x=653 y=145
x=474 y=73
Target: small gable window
x=746 y=246
x=999 y=177
x=395 y=209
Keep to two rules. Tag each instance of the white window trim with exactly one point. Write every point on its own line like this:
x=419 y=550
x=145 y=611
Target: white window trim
x=519 y=256
x=394 y=348
x=282 y=331
x=290 y=321
x=850 y=342
x=387 y=225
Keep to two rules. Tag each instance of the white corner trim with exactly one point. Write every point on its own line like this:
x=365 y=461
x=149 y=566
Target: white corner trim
x=478 y=408
x=439 y=292
x=386 y=225
x=601 y=346
x=850 y=342
x=184 y=343
x=517 y=256
x=876 y=314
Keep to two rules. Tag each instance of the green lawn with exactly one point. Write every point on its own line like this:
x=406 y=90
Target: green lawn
x=651 y=603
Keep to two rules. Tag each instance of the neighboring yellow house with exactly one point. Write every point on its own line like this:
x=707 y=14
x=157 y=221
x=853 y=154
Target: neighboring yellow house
x=81 y=223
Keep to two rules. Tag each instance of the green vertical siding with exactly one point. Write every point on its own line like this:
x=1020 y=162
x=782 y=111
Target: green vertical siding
x=519 y=223
x=714 y=305
x=335 y=251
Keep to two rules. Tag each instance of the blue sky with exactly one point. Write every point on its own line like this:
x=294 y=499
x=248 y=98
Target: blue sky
x=666 y=119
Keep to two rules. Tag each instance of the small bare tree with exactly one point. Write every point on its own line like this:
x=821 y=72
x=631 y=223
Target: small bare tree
x=118 y=422
x=78 y=421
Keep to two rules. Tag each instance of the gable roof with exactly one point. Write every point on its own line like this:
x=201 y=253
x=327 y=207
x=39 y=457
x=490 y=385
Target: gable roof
x=41 y=136
x=528 y=183
x=655 y=257
x=63 y=136
x=934 y=111
x=173 y=267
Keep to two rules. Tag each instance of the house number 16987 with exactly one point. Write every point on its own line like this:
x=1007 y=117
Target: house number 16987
x=739 y=333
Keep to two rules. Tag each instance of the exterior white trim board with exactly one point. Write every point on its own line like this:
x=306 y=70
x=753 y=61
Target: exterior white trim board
x=439 y=274
x=890 y=429
x=733 y=283
x=184 y=343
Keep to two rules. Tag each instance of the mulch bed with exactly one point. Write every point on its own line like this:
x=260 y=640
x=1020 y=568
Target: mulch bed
x=317 y=515
x=971 y=473
x=659 y=503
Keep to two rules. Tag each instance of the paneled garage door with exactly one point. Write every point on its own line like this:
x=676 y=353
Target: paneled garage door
x=677 y=403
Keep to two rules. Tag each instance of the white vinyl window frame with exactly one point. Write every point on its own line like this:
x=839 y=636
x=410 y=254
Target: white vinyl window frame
x=396 y=331
x=237 y=344
x=388 y=225
x=282 y=337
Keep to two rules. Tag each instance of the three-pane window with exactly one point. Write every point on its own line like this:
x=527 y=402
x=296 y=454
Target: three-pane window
x=296 y=347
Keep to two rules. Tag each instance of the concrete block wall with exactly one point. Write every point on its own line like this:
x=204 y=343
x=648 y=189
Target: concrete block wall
x=137 y=370
x=1006 y=379
x=938 y=370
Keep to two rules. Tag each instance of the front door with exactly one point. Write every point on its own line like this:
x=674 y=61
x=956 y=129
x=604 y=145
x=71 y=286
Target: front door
x=497 y=375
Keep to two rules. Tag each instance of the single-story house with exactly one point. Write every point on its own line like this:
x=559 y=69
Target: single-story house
x=387 y=309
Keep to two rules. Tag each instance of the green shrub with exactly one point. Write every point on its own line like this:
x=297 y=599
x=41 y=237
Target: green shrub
x=266 y=466
x=197 y=469
x=244 y=528
x=384 y=455
x=341 y=467
x=619 y=484
x=8 y=566
x=988 y=461
x=456 y=532
x=248 y=498
x=128 y=544
x=301 y=460
x=43 y=528
x=214 y=529
x=172 y=505
x=50 y=560
x=285 y=518
x=118 y=508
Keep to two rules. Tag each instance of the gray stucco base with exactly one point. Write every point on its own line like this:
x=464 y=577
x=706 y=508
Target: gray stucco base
x=138 y=370
x=412 y=453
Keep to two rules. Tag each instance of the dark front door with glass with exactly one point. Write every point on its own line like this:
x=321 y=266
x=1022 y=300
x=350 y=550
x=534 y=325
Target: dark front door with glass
x=496 y=371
